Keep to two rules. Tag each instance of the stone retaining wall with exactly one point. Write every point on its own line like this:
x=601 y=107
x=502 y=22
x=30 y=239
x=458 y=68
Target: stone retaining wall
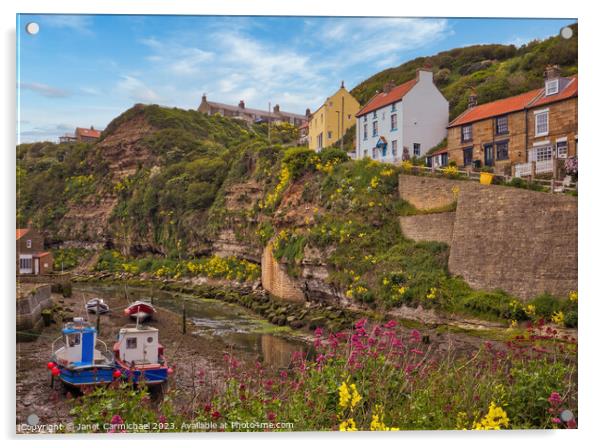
x=31 y=301
x=429 y=227
x=275 y=279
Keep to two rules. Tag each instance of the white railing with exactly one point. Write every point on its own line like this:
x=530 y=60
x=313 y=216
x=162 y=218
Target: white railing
x=541 y=167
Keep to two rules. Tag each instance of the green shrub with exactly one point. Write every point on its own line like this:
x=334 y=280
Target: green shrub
x=570 y=319
x=546 y=305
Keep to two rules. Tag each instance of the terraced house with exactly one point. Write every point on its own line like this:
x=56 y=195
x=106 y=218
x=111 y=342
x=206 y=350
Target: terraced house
x=402 y=121
x=521 y=135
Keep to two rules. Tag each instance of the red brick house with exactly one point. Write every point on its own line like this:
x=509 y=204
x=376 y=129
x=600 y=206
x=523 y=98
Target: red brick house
x=81 y=135
x=508 y=134
x=32 y=259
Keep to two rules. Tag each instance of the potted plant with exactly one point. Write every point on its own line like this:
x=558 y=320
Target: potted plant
x=486 y=175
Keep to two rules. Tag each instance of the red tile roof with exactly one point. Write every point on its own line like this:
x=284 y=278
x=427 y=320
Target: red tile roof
x=569 y=91
x=495 y=108
x=41 y=254
x=436 y=153
x=21 y=233
x=384 y=99
x=93 y=133
x=533 y=98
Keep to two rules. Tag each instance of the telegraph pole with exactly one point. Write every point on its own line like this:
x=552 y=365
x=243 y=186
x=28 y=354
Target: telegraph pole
x=269 y=122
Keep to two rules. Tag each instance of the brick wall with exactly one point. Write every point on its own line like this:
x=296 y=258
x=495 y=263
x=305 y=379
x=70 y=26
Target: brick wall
x=431 y=227
x=275 y=279
x=523 y=242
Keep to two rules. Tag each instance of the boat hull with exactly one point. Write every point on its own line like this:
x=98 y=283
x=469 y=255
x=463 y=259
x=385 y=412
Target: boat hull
x=147 y=375
x=86 y=377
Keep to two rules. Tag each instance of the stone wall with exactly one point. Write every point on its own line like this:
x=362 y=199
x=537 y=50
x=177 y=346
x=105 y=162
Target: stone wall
x=426 y=193
x=31 y=301
x=275 y=279
x=429 y=227
x=521 y=241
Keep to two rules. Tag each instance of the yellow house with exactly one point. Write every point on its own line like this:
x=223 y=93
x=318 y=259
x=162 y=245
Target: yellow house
x=328 y=124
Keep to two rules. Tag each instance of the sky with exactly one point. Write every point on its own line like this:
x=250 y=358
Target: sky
x=84 y=70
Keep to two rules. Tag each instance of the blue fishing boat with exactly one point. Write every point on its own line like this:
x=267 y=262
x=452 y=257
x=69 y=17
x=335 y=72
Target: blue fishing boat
x=79 y=358
x=139 y=355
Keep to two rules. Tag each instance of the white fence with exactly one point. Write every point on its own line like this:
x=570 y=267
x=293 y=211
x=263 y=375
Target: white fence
x=541 y=167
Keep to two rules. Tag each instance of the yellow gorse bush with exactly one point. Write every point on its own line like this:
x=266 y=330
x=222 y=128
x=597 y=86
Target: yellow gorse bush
x=377 y=423
x=348 y=425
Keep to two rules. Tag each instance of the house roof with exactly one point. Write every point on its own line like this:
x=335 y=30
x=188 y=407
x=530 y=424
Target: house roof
x=21 y=233
x=533 y=98
x=41 y=254
x=384 y=99
x=495 y=108
x=569 y=91
x=84 y=132
x=251 y=111
x=436 y=153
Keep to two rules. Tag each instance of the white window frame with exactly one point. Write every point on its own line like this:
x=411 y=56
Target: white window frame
x=28 y=244
x=394 y=148
x=565 y=143
x=538 y=114
x=468 y=128
x=393 y=118
x=419 y=149
x=375 y=129
x=552 y=87
x=365 y=131
x=543 y=153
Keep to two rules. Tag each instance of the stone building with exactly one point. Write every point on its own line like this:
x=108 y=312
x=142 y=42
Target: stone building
x=250 y=115
x=81 y=135
x=508 y=134
x=31 y=256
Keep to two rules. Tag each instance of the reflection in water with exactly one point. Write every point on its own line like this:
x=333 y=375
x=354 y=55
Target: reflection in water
x=217 y=321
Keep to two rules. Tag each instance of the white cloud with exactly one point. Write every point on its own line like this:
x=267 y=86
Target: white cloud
x=177 y=59
x=80 y=23
x=137 y=90
x=44 y=89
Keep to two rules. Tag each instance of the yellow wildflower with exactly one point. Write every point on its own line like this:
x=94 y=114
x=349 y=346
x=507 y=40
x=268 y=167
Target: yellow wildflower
x=573 y=296
x=348 y=425
x=432 y=294
x=496 y=418
x=530 y=310
x=377 y=423
x=558 y=317
x=349 y=397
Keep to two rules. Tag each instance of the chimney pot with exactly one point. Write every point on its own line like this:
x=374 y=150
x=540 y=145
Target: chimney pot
x=388 y=86
x=241 y=104
x=277 y=108
x=472 y=98
x=342 y=84
x=307 y=112
x=551 y=72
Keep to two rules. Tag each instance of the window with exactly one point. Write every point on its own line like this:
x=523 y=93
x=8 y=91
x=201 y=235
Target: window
x=365 y=131
x=562 y=149
x=501 y=125
x=417 y=149
x=24 y=263
x=374 y=114
x=319 y=141
x=394 y=122
x=329 y=134
x=444 y=159
x=467 y=133
x=543 y=153
x=131 y=343
x=551 y=87
x=394 y=148
x=28 y=244
x=365 y=117
x=541 y=123
x=501 y=151
x=149 y=340
x=394 y=108
x=73 y=339
x=467 y=156
x=374 y=128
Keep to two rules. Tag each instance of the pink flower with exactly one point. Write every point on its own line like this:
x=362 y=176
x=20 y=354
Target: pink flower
x=318 y=333
x=271 y=416
x=415 y=336
x=390 y=324
x=555 y=399
x=556 y=420
x=116 y=420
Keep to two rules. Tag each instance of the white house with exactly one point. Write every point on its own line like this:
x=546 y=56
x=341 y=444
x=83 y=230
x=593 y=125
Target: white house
x=402 y=121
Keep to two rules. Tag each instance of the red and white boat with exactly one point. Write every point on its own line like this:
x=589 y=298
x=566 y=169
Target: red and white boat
x=140 y=310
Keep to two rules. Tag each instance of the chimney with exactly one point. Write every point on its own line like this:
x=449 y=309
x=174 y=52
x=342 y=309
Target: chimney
x=551 y=72
x=241 y=104
x=342 y=84
x=204 y=99
x=277 y=108
x=425 y=73
x=472 y=98
x=91 y=128
x=388 y=86
x=307 y=112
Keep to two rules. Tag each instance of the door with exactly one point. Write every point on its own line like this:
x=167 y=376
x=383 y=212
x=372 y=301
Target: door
x=488 y=155
x=36 y=266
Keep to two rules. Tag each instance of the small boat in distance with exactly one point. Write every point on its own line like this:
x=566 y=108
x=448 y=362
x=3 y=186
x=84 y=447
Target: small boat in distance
x=79 y=358
x=97 y=306
x=139 y=355
x=140 y=310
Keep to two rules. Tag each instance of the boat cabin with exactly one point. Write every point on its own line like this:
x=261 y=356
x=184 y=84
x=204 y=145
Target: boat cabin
x=139 y=345
x=79 y=341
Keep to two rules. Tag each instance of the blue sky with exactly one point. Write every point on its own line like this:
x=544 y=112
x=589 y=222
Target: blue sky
x=85 y=70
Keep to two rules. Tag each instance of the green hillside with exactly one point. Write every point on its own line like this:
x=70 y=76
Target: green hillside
x=495 y=71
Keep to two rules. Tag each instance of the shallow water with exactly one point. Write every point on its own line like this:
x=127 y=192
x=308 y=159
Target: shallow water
x=217 y=322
